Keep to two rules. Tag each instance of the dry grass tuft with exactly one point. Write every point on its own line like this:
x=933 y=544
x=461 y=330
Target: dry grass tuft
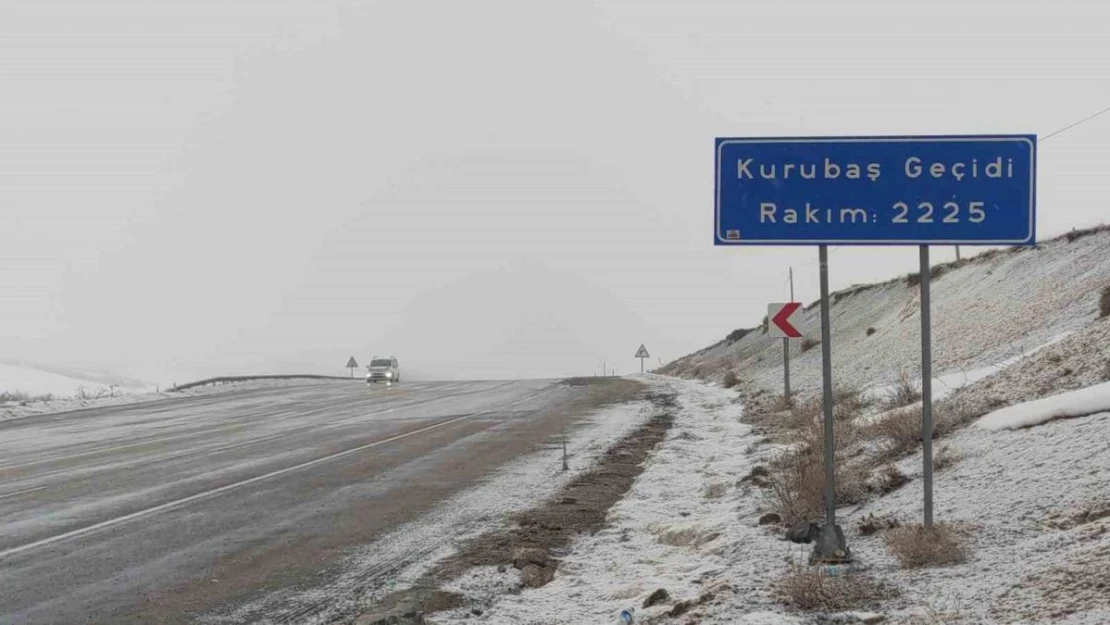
x=871 y=331
x=915 y=547
x=19 y=396
x=796 y=479
x=783 y=403
x=812 y=590
x=949 y=416
x=715 y=490
x=729 y=380
x=796 y=484
x=85 y=394
x=803 y=414
x=889 y=479
x=848 y=402
x=871 y=524
x=846 y=435
x=904 y=393
x=898 y=434
x=933 y=616
x=1079 y=234
x=945 y=458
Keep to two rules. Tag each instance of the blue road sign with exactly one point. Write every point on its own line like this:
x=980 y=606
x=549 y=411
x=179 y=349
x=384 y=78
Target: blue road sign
x=876 y=190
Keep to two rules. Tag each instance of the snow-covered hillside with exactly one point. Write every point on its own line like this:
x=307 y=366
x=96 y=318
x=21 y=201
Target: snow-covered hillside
x=993 y=308
x=20 y=379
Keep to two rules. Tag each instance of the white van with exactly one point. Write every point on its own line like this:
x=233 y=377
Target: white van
x=383 y=370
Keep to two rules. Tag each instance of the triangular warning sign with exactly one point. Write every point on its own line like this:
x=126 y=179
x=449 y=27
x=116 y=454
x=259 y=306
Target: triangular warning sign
x=642 y=353
x=352 y=364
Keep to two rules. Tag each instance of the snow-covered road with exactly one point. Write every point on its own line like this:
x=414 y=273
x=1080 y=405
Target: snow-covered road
x=157 y=512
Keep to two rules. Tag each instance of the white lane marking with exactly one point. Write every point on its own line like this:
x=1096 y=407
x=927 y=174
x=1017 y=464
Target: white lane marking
x=22 y=492
x=223 y=489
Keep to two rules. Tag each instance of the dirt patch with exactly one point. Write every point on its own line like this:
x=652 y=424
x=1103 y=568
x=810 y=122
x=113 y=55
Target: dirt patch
x=534 y=539
x=409 y=606
x=1089 y=512
x=580 y=508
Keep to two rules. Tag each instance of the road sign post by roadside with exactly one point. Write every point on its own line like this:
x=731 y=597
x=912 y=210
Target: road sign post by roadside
x=642 y=354
x=352 y=364
x=786 y=349
x=901 y=190
x=926 y=384
x=782 y=322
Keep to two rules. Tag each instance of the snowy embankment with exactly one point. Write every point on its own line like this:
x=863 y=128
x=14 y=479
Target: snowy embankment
x=1034 y=502
x=990 y=310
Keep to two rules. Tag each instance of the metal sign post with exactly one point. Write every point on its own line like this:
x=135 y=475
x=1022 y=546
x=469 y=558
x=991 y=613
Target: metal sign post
x=922 y=191
x=782 y=321
x=826 y=378
x=786 y=368
x=786 y=350
x=642 y=354
x=927 y=384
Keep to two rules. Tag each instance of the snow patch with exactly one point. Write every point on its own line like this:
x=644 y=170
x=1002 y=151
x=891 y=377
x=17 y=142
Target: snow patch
x=1080 y=403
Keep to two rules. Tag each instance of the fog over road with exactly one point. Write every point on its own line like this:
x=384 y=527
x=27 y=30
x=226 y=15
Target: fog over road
x=162 y=511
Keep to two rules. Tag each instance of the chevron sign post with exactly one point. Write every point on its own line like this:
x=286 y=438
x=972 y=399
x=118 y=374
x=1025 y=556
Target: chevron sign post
x=782 y=322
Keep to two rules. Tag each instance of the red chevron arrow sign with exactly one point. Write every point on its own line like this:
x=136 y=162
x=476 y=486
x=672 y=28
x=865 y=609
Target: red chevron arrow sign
x=784 y=319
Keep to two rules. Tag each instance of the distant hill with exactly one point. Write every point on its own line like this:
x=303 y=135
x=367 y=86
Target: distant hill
x=35 y=379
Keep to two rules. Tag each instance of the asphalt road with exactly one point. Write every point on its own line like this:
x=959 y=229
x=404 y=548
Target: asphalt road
x=161 y=512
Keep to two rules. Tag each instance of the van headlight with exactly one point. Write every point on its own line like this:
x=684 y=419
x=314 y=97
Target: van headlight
x=389 y=374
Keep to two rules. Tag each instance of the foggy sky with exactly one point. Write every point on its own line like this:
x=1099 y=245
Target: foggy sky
x=492 y=188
